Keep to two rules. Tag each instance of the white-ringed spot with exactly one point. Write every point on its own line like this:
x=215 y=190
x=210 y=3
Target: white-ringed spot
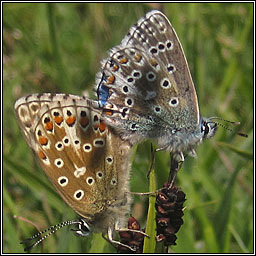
x=113 y=181
x=66 y=141
x=100 y=174
x=174 y=102
x=130 y=79
x=125 y=89
x=99 y=143
x=78 y=195
x=76 y=143
x=109 y=160
x=59 y=146
x=59 y=162
x=169 y=45
x=90 y=181
x=171 y=68
x=151 y=76
x=129 y=102
x=136 y=74
x=157 y=109
x=165 y=83
x=153 y=50
x=87 y=147
x=63 y=181
x=161 y=47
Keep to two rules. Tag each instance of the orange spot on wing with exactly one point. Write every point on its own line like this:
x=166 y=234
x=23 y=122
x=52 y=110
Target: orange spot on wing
x=115 y=68
x=111 y=80
x=102 y=126
x=43 y=140
x=70 y=120
x=58 y=119
x=42 y=154
x=153 y=62
x=108 y=112
x=138 y=57
x=49 y=126
x=124 y=60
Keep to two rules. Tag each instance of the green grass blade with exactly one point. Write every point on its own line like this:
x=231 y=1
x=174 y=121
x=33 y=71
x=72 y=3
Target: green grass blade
x=12 y=239
x=150 y=243
x=222 y=217
x=34 y=182
x=62 y=72
x=245 y=154
x=98 y=244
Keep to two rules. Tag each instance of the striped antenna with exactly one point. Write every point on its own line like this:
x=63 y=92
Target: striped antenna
x=51 y=231
x=225 y=127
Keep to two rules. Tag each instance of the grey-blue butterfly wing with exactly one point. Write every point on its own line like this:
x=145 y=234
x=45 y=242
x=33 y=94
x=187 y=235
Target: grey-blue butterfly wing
x=145 y=88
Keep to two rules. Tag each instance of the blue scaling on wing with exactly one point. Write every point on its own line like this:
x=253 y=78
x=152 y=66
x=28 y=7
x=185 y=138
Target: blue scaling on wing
x=103 y=91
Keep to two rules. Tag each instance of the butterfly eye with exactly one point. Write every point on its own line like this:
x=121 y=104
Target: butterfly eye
x=208 y=129
x=83 y=228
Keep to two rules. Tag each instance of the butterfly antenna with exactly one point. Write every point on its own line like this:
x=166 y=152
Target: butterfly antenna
x=222 y=119
x=51 y=231
x=227 y=128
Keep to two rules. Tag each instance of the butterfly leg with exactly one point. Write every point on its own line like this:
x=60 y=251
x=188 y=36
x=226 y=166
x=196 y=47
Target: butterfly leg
x=174 y=168
x=114 y=242
x=153 y=193
x=132 y=230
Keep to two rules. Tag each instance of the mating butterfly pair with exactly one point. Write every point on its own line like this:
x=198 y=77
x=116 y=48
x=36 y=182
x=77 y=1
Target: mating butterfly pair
x=144 y=91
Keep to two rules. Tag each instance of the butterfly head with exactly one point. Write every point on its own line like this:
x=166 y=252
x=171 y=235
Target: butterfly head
x=184 y=141
x=208 y=128
x=83 y=228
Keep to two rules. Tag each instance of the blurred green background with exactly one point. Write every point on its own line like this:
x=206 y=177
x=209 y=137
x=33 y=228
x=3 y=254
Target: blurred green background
x=58 y=48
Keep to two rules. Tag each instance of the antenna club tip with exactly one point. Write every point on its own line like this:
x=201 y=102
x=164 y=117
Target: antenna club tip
x=243 y=134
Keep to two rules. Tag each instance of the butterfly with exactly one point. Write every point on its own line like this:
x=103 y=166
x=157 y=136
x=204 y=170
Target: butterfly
x=85 y=160
x=145 y=89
